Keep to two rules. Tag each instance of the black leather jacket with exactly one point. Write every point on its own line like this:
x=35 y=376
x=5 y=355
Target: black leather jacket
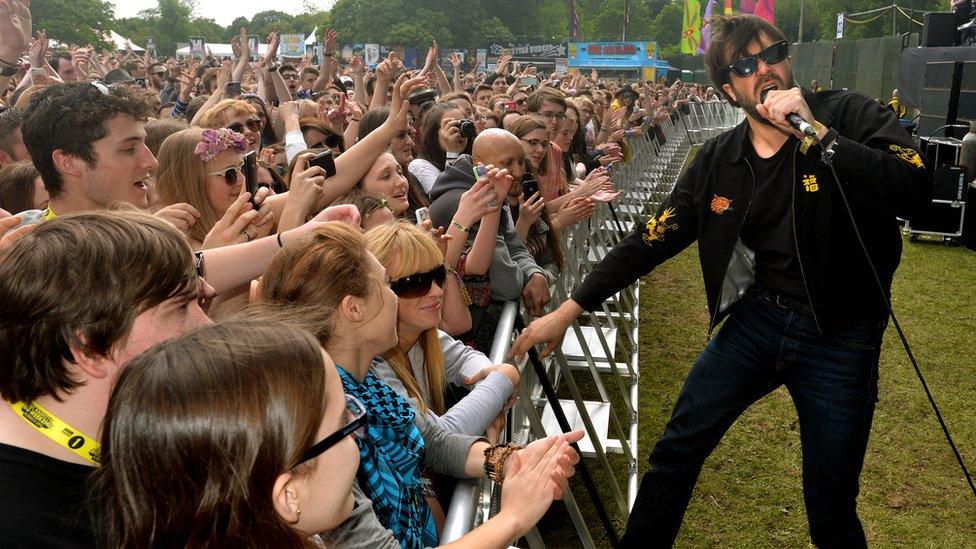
x=882 y=175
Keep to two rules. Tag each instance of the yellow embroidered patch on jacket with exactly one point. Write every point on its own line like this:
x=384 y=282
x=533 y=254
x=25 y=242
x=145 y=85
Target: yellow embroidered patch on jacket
x=810 y=184
x=908 y=155
x=656 y=227
x=720 y=204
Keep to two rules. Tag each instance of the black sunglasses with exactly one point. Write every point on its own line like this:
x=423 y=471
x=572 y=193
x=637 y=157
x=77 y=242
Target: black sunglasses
x=357 y=420
x=229 y=174
x=418 y=285
x=331 y=141
x=744 y=66
x=253 y=124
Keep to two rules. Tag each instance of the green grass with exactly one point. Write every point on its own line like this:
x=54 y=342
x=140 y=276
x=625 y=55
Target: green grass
x=749 y=494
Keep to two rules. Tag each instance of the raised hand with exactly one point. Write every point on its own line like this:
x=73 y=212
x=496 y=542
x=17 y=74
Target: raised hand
x=330 y=40
x=15 y=29
x=37 y=56
x=274 y=39
x=356 y=65
x=478 y=201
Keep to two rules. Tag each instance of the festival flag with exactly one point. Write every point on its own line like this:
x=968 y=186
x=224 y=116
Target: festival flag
x=764 y=10
x=573 y=21
x=747 y=6
x=727 y=8
x=706 y=29
x=691 y=27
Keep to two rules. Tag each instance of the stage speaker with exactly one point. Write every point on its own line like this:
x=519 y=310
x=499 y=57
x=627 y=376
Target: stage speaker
x=939 y=29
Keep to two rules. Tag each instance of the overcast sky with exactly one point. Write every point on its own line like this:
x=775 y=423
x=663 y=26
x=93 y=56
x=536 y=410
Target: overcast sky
x=223 y=11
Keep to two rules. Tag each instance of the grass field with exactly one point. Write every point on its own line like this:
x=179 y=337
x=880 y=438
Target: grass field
x=749 y=495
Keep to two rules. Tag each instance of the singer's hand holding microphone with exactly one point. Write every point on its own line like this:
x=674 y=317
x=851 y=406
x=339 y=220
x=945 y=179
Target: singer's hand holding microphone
x=787 y=110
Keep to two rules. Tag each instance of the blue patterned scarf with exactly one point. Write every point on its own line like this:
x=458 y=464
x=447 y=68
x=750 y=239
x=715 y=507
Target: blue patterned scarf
x=391 y=453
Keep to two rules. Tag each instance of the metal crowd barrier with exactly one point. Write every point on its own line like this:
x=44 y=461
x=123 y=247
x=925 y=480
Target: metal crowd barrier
x=600 y=348
x=710 y=118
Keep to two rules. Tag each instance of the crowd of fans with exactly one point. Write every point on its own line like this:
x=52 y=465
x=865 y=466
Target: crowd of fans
x=352 y=232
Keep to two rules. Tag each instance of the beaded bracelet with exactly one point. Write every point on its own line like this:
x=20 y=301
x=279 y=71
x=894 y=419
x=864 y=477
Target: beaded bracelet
x=495 y=457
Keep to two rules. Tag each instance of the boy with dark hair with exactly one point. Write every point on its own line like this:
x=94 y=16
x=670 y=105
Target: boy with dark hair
x=89 y=144
x=79 y=297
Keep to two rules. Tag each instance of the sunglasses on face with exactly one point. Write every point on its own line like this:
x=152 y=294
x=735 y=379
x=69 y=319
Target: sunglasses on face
x=745 y=66
x=229 y=174
x=418 y=285
x=331 y=141
x=253 y=125
x=356 y=413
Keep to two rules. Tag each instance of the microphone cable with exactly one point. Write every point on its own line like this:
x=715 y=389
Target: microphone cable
x=826 y=159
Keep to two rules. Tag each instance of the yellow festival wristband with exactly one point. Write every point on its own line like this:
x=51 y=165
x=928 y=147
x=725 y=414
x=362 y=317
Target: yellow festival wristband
x=53 y=428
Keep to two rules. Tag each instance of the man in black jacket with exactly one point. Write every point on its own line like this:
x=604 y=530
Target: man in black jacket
x=781 y=261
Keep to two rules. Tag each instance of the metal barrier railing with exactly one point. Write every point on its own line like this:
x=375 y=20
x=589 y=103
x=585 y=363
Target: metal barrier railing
x=710 y=118
x=603 y=344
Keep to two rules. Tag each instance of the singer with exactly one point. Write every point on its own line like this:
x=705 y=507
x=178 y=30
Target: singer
x=783 y=268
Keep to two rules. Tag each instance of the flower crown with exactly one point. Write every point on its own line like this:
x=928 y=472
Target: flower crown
x=216 y=141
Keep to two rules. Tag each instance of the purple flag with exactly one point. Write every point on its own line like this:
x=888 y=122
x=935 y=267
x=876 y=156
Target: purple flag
x=706 y=30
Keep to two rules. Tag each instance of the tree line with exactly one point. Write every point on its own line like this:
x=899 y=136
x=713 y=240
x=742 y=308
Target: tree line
x=464 y=24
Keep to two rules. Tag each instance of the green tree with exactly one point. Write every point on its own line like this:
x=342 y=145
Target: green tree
x=264 y=22
x=74 y=21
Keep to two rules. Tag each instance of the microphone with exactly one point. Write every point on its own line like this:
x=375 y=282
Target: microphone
x=796 y=120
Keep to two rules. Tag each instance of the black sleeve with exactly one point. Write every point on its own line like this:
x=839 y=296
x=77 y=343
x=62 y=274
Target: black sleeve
x=666 y=233
x=877 y=159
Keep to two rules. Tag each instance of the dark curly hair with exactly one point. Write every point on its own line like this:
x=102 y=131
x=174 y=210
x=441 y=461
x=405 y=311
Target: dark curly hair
x=71 y=117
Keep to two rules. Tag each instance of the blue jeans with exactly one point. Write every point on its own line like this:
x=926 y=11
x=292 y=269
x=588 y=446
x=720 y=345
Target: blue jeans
x=833 y=382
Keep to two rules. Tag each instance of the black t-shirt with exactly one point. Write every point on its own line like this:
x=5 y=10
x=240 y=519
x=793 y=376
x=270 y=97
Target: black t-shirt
x=768 y=228
x=42 y=501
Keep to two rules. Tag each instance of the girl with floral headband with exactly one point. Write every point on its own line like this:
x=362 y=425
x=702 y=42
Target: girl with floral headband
x=204 y=168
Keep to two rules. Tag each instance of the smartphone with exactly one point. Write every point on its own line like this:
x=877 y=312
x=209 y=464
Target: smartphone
x=423 y=214
x=141 y=82
x=480 y=171
x=325 y=161
x=251 y=175
x=508 y=106
x=529 y=81
x=529 y=187
x=233 y=89
x=609 y=168
x=30 y=217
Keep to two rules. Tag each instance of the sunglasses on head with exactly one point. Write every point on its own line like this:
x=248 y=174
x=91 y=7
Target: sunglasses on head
x=418 y=285
x=253 y=124
x=745 y=66
x=356 y=413
x=229 y=174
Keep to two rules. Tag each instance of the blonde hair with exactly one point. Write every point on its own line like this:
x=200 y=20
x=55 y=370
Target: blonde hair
x=182 y=177
x=213 y=118
x=405 y=249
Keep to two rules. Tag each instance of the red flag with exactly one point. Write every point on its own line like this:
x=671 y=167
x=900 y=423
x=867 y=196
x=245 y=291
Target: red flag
x=764 y=10
x=727 y=7
x=747 y=6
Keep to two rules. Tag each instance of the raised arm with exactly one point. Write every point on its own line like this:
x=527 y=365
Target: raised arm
x=219 y=92
x=328 y=64
x=242 y=50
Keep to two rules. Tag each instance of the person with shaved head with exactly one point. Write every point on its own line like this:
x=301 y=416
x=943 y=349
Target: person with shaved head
x=512 y=272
